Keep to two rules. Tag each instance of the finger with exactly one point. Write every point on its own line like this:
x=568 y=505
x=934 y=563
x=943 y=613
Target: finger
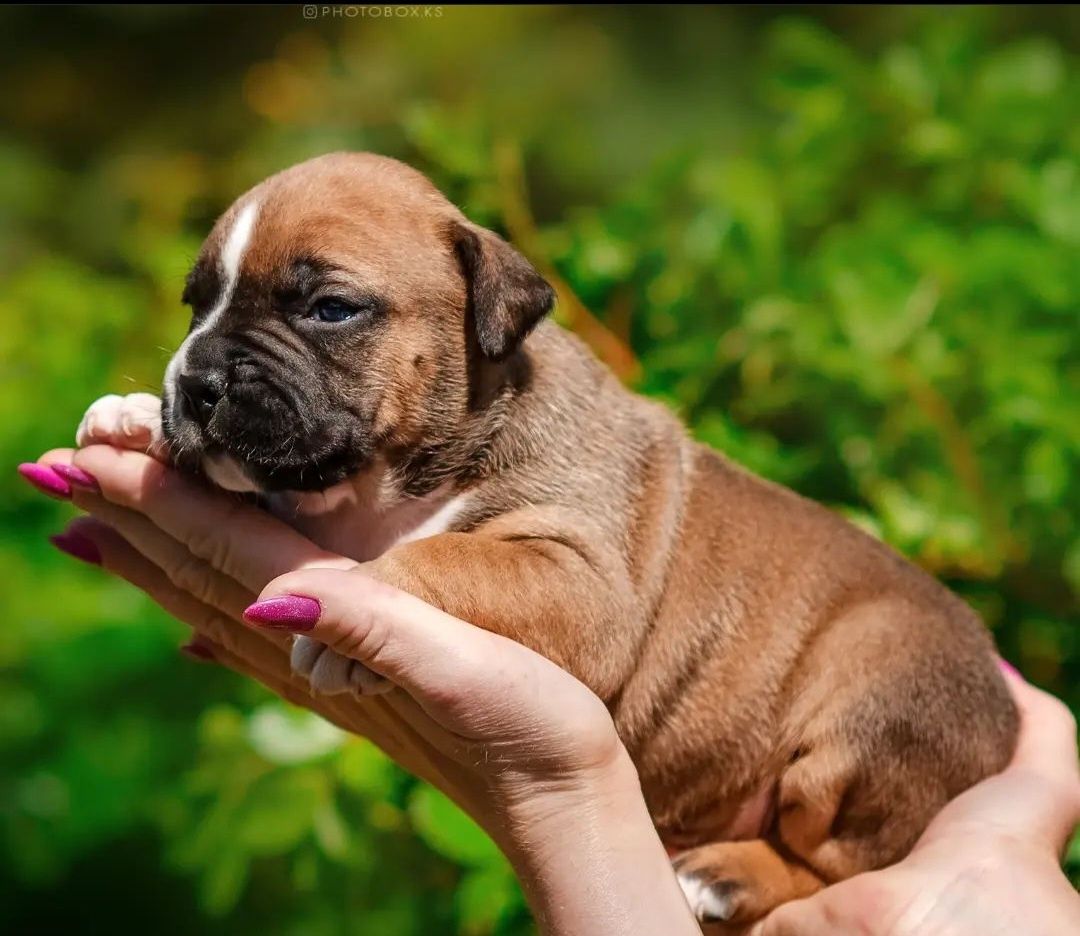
x=1036 y=799
x=238 y=539
x=118 y=556
x=260 y=654
x=263 y=655
x=43 y=476
x=199 y=649
x=184 y=570
x=277 y=679
x=804 y=917
x=1047 y=741
x=398 y=635
x=1046 y=763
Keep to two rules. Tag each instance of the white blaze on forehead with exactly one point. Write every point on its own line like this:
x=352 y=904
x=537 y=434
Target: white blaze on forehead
x=233 y=252
x=231 y=257
x=230 y=260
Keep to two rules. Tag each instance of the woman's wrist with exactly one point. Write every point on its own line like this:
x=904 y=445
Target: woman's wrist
x=589 y=859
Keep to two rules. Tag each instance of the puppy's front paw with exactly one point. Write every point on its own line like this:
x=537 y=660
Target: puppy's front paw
x=330 y=673
x=132 y=422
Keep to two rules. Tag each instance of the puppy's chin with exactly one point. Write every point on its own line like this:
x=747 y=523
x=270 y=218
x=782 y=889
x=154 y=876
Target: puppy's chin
x=231 y=474
x=252 y=463
x=318 y=472
x=228 y=474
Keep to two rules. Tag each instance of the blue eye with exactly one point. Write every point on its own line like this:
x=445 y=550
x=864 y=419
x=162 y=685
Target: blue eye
x=333 y=310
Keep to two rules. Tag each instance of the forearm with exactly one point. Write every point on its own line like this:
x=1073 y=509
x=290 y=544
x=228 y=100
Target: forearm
x=1061 y=900
x=591 y=864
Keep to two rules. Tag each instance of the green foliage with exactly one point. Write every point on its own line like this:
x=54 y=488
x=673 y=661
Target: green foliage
x=854 y=271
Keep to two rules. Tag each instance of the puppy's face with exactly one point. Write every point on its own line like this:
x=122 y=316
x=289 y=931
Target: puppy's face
x=339 y=312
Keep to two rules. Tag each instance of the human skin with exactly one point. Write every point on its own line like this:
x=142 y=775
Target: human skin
x=530 y=752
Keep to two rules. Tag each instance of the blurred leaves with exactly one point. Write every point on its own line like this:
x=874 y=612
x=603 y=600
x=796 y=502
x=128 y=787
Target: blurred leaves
x=283 y=735
x=449 y=831
x=842 y=245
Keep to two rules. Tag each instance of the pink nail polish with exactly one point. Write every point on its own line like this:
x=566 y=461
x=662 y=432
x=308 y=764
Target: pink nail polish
x=77 y=545
x=1009 y=668
x=77 y=477
x=45 y=480
x=198 y=651
x=287 y=612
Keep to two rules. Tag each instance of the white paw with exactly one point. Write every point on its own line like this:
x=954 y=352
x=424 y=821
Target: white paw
x=710 y=903
x=132 y=422
x=330 y=673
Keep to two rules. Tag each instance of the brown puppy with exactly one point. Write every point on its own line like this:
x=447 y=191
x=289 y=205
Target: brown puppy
x=799 y=700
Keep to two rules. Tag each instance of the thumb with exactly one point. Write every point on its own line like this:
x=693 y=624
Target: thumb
x=461 y=675
x=803 y=917
x=1037 y=797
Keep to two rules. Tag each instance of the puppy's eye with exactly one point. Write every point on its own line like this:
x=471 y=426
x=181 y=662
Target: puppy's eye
x=334 y=310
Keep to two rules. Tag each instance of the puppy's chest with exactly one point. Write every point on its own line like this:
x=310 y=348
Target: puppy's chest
x=364 y=531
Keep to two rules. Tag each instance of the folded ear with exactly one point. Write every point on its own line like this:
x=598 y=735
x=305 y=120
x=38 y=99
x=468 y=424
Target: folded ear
x=507 y=296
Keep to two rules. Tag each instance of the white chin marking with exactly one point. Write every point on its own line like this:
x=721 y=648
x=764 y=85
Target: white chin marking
x=227 y=473
x=313 y=503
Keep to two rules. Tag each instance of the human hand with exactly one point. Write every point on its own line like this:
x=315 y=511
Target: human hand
x=520 y=744
x=989 y=862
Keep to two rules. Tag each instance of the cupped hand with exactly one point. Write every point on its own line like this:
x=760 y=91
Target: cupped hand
x=522 y=746
x=988 y=865
x=530 y=752
x=487 y=720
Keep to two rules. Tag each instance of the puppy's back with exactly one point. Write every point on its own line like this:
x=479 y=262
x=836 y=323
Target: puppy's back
x=792 y=651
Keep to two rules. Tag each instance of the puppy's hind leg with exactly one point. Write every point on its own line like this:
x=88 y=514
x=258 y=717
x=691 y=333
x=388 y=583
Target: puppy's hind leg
x=737 y=883
x=872 y=753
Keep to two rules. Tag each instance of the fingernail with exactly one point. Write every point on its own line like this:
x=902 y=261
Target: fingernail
x=1009 y=668
x=77 y=545
x=289 y=612
x=45 y=480
x=76 y=476
x=198 y=651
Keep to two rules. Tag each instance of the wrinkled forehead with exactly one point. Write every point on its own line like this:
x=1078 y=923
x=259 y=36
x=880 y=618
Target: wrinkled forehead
x=391 y=236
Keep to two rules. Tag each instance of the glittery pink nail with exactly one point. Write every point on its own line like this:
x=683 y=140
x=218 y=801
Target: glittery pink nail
x=77 y=477
x=1009 y=668
x=45 y=480
x=77 y=545
x=198 y=651
x=287 y=612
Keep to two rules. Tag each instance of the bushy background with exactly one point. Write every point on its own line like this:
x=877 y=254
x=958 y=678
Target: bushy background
x=842 y=243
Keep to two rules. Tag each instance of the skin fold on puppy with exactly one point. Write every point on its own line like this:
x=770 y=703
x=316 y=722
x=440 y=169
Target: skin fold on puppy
x=798 y=699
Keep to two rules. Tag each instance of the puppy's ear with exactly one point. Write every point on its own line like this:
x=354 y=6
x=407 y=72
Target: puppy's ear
x=507 y=296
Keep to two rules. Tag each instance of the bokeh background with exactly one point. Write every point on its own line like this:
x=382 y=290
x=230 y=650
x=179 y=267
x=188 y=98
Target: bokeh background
x=842 y=242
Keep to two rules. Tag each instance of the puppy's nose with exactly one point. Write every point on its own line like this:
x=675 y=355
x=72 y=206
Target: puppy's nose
x=199 y=394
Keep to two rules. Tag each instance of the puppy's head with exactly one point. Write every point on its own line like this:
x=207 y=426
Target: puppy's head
x=339 y=310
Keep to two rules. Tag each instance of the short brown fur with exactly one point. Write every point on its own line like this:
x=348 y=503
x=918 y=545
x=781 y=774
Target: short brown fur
x=777 y=675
